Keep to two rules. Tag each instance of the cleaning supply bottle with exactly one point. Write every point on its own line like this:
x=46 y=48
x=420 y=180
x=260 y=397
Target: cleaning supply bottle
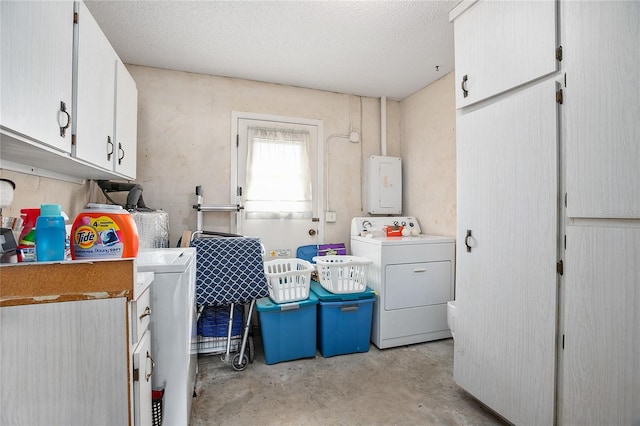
x=26 y=249
x=104 y=231
x=50 y=234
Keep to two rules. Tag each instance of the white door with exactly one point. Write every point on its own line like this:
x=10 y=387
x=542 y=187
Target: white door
x=279 y=182
x=96 y=93
x=601 y=354
x=36 y=68
x=507 y=168
x=601 y=108
x=126 y=135
x=500 y=45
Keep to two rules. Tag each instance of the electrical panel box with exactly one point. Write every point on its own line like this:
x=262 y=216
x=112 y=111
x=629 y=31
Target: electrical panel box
x=384 y=177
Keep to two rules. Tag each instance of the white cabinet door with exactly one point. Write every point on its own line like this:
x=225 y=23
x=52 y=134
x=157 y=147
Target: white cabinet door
x=507 y=173
x=37 y=58
x=64 y=363
x=502 y=44
x=601 y=108
x=601 y=356
x=126 y=122
x=144 y=364
x=96 y=94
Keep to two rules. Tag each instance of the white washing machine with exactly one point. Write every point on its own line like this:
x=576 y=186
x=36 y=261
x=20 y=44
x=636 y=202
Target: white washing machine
x=413 y=277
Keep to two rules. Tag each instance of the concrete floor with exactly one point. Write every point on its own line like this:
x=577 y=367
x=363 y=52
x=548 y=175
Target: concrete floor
x=409 y=385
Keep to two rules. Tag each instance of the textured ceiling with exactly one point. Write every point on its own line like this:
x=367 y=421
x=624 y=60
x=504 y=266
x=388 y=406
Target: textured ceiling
x=366 y=48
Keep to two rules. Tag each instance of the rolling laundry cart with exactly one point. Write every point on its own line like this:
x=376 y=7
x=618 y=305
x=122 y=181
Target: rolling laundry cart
x=230 y=271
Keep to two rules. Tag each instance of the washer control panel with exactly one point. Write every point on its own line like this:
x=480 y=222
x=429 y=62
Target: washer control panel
x=375 y=226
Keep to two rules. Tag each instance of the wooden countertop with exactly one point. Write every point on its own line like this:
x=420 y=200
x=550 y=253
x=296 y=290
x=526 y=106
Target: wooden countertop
x=46 y=282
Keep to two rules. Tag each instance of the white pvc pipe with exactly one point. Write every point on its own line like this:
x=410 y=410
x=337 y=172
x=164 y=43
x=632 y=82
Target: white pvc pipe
x=383 y=126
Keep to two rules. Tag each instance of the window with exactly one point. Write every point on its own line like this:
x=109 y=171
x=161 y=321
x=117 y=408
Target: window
x=278 y=174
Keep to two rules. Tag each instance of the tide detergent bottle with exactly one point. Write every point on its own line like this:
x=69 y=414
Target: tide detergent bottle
x=104 y=231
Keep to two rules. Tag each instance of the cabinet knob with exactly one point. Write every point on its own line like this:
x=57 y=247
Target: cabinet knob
x=120 y=153
x=63 y=128
x=463 y=86
x=153 y=365
x=146 y=313
x=109 y=148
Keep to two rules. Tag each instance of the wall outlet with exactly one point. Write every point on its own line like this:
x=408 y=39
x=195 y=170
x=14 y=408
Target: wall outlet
x=330 y=216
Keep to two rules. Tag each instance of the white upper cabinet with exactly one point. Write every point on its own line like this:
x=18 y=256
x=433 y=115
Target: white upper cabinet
x=61 y=114
x=96 y=80
x=500 y=45
x=126 y=122
x=37 y=59
x=601 y=108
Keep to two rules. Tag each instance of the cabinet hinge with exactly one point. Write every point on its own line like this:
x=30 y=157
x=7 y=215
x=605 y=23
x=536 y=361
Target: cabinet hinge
x=563 y=341
x=136 y=374
x=559 y=96
x=565 y=242
x=565 y=199
x=237 y=141
x=559 y=53
x=73 y=139
x=560 y=267
x=75 y=17
x=239 y=192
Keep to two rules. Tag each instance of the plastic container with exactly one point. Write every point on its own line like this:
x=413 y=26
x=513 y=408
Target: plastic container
x=288 y=330
x=288 y=279
x=344 y=321
x=343 y=274
x=104 y=231
x=50 y=234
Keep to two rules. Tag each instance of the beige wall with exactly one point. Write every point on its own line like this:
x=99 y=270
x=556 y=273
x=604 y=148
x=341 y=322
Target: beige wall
x=429 y=157
x=32 y=191
x=184 y=140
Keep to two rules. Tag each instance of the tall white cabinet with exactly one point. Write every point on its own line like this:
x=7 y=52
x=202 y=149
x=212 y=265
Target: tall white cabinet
x=599 y=379
x=508 y=183
x=548 y=146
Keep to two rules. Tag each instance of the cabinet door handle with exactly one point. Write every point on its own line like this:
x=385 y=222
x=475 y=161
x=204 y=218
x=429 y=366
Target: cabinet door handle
x=146 y=313
x=419 y=270
x=467 y=239
x=120 y=151
x=463 y=86
x=63 y=129
x=153 y=366
x=109 y=148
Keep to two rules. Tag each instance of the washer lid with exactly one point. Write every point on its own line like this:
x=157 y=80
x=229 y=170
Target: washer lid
x=161 y=260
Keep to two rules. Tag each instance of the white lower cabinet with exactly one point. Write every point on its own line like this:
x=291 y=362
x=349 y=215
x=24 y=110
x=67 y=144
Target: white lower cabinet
x=600 y=375
x=143 y=365
x=507 y=235
x=75 y=363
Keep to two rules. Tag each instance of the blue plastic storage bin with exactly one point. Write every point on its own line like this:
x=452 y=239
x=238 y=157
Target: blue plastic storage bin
x=344 y=321
x=288 y=329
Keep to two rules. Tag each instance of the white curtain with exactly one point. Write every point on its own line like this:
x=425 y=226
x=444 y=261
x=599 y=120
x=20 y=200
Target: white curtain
x=278 y=174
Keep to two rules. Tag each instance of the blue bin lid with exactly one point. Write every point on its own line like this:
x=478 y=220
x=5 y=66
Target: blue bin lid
x=265 y=304
x=326 y=296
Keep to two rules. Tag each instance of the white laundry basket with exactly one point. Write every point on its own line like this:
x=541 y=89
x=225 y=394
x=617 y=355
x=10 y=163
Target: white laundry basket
x=343 y=274
x=288 y=280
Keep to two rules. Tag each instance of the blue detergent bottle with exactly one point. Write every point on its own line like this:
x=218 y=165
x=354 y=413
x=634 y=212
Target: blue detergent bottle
x=50 y=234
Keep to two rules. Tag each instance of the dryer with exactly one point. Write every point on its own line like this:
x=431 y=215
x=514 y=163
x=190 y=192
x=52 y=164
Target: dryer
x=413 y=277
